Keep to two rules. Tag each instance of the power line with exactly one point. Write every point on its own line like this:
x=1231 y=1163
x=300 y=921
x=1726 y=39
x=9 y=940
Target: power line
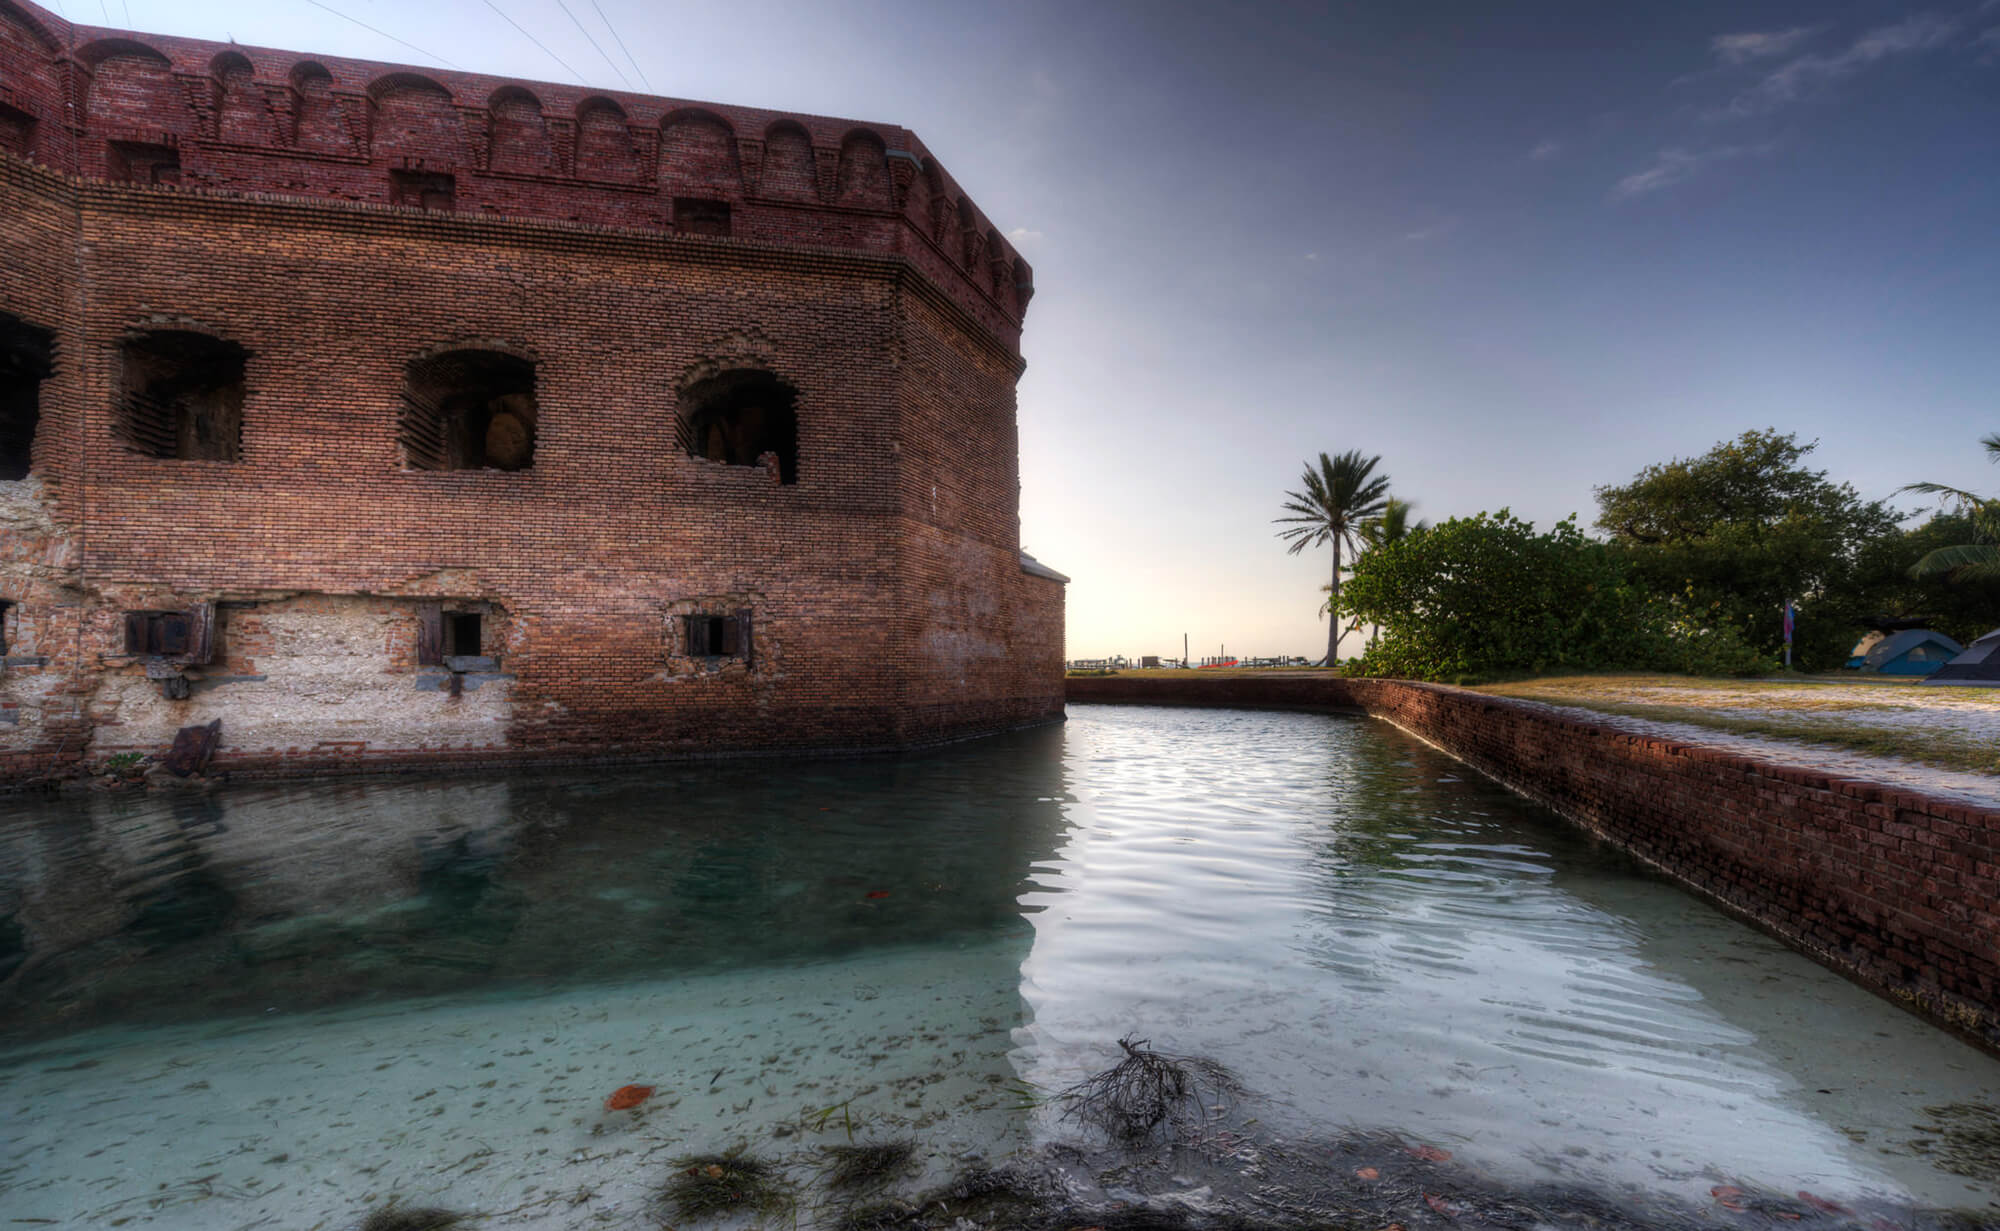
x=593 y=42
x=385 y=34
x=621 y=45
x=537 y=42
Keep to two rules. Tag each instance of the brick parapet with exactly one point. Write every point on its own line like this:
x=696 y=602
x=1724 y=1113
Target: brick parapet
x=1895 y=888
x=259 y=120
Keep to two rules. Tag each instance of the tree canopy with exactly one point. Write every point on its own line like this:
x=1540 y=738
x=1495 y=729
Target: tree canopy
x=1965 y=606
x=1745 y=527
x=1698 y=558
x=1483 y=596
x=1976 y=557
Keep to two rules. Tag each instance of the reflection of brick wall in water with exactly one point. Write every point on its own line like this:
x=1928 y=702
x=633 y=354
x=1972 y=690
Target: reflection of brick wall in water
x=437 y=418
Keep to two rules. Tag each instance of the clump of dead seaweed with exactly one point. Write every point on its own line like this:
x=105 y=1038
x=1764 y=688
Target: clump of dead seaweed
x=868 y=1166
x=711 y=1185
x=991 y=1200
x=1146 y=1092
x=1970 y=1134
x=393 y=1217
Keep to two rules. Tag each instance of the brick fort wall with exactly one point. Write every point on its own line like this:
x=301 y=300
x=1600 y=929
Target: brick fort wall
x=245 y=271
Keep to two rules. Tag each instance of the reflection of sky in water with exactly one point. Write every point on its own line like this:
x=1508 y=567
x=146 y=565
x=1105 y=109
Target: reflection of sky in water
x=1382 y=940
x=313 y=991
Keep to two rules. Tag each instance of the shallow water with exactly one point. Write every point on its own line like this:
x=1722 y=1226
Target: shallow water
x=280 y=1006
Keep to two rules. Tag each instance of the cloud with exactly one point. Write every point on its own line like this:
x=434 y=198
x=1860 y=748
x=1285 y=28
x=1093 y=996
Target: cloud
x=1805 y=74
x=1020 y=233
x=1919 y=33
x=1743 y=48
x=1545 y=150
x=1676 y=165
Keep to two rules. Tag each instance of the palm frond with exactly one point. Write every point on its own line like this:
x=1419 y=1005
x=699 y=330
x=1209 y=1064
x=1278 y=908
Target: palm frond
x=1939 y=489
x=1391 y=525
x=1967 y=562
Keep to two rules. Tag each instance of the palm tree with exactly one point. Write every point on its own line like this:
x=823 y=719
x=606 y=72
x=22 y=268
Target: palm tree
x=1970 y=561
x=1338 y=497
x=1391 y=525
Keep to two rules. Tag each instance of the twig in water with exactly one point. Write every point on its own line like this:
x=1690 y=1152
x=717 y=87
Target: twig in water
x=1148 y=1090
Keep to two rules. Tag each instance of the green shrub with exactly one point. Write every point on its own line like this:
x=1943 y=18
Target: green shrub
x=1486 y=596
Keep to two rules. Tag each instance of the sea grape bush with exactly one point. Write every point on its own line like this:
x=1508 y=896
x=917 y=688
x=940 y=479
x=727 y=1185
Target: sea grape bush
x=1488 y=595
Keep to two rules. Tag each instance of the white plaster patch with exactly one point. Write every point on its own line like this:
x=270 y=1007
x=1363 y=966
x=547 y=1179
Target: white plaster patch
x=319 y=672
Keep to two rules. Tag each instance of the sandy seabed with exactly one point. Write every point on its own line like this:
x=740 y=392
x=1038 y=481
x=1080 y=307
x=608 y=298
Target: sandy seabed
x=497 y=1108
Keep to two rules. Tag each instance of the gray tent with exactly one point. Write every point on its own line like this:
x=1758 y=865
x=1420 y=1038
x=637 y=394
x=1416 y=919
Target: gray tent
x=1979 y=665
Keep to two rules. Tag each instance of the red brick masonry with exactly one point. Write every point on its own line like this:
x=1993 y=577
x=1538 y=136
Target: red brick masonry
x=1897 y=890
x=696 y=421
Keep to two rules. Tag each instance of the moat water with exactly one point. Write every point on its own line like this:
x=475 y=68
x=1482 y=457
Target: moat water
x=284 y=1006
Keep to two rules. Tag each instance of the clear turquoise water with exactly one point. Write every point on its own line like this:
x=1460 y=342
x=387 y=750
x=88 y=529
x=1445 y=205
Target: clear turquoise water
x=282 y=1005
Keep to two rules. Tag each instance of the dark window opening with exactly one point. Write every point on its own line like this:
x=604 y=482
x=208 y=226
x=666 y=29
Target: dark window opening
x=25 y=362
x=134 y=163
x=446 y=636
x=461 y=634
x=469 y=410
x=17 y=131
x=6 y=616
x=183 y=396
x=186 y=635
x=699 y=216
x=423 y=190
x=742 y=418
x=719 y=636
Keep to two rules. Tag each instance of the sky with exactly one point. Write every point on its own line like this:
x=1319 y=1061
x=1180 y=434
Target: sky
x=1517 y=250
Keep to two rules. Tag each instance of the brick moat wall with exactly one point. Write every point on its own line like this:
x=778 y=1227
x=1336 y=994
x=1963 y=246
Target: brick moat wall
x=304 y=243
x=1900 y=891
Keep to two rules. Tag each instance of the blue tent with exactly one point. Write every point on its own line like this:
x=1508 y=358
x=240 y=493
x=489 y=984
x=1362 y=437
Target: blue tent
x=1914 y=651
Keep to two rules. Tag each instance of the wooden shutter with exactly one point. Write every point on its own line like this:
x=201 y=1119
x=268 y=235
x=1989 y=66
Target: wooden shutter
x=148 y=425
x=430 y=635
x=745 y=646
x=421 y=430
x=697 y=636
x=201 y=634
x=730 y=638
x=684 y=433
x=135 y=633
x=170 y=632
